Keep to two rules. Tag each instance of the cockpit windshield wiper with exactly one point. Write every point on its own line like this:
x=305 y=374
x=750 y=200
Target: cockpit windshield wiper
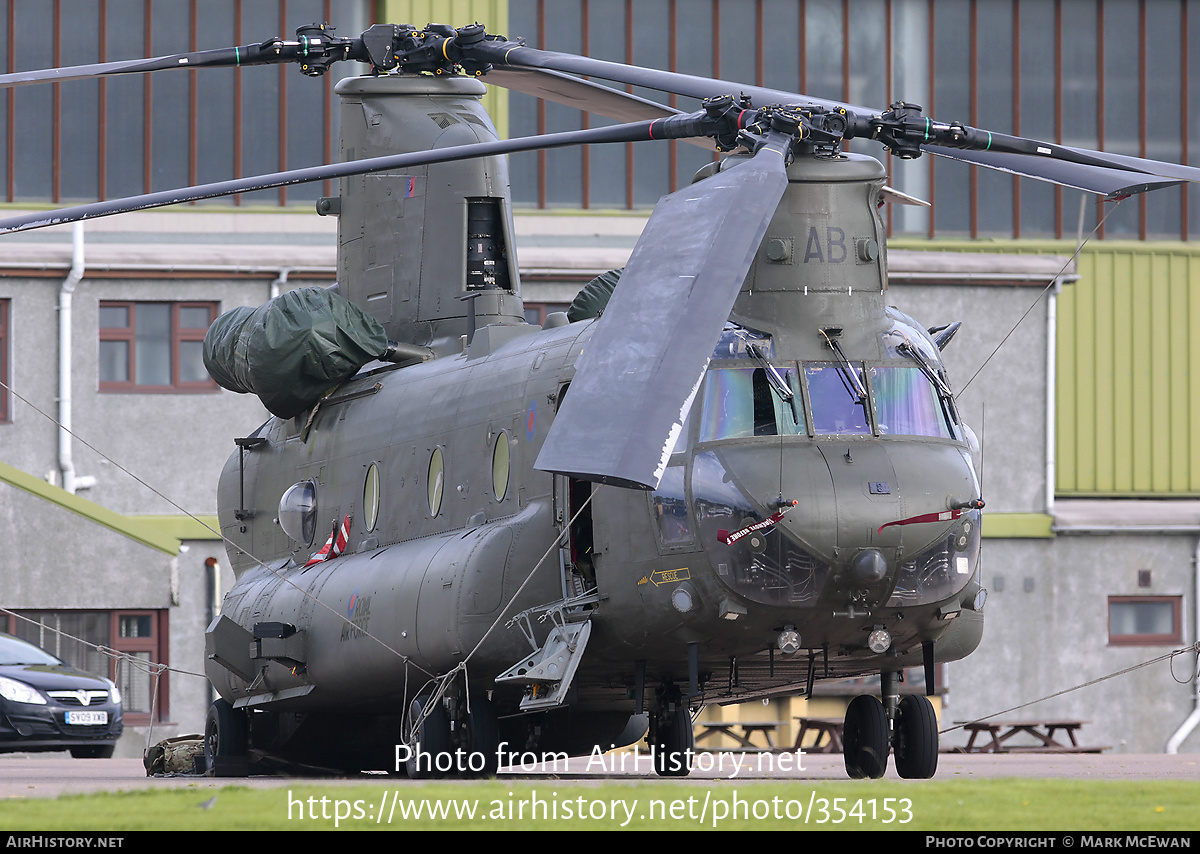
x=939 y=383
x=851 y=379
x=774 y=378
x=906 y=349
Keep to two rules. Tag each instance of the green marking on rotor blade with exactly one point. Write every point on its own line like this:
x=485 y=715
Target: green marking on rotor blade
x=989 y=145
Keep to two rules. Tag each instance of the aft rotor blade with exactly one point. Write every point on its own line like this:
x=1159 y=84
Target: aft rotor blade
x=582 y=94
x=226 y=57
x=671 y=127
x=510 y=54
x=642 y=365
x=586 y=96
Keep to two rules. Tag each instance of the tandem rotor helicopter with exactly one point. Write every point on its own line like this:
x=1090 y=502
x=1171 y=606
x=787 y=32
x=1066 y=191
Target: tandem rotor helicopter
x=463 y=535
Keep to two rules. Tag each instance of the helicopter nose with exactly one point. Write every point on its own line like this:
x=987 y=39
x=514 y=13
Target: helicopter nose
x=794 y=524
x=864 y=505
x=896 y=497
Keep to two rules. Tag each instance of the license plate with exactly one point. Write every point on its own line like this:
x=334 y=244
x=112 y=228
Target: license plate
x=87 y=718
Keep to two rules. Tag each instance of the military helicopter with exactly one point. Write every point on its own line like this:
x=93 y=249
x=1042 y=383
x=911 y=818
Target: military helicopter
x=735 y=474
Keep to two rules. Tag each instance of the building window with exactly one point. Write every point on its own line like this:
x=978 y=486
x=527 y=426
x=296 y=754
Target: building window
x=4 y=360
x=111 y=137
x=154 y=346
x=77 y=637
x=1144 y=620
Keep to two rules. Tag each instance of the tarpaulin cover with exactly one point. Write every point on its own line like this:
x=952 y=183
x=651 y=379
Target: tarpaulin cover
x=292 y=349
x=593 y=297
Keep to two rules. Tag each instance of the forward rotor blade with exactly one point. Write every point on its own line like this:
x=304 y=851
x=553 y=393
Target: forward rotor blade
x=1111 y=183
x=671 y=127
x=1161 y=168
x=642 y=366
x=1104 y=177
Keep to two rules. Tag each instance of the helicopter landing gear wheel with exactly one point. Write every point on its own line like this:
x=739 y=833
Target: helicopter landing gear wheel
x=866 y=738
x=673 y=741
x=482 y=746
x=428 y=740
x=226 y=737
x=916 y=738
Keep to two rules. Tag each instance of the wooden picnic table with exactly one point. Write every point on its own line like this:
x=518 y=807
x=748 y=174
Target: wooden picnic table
x=711 y=728
x=1043 y=731
x=823 y=727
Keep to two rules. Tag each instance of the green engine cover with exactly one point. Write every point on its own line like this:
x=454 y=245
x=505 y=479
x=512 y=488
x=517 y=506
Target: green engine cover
x=292 y=349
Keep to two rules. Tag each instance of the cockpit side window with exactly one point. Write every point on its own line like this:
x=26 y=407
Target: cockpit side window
x=837 y=405
x=907 y=404
x=669 y=505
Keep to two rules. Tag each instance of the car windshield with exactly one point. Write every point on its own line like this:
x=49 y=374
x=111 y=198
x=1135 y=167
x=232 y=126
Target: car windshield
x=15 y=651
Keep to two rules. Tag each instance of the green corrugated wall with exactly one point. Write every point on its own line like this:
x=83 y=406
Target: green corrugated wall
x=1128 y=394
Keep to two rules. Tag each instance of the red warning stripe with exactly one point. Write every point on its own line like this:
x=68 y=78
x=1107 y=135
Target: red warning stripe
x=335 y=545
x=942 y=516
x=729 y=539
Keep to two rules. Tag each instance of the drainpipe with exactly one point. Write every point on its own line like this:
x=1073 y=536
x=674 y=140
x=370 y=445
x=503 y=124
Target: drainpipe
x=280 y=282
x=66 y=463
x=212 y=605
x=1051 y=390
x=1180 y=735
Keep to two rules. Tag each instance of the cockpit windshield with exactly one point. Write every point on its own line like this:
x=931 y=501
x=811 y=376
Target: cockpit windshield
x=837 y=405
x=748 y=393
x=906 y=403
x=741 y=402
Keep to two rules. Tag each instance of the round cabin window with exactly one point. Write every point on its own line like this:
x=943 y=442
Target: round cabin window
x=437 y=478
x=371 y=497
x=500 y=466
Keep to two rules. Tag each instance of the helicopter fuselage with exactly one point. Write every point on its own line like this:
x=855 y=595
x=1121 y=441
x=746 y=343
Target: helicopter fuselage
x=820 y=491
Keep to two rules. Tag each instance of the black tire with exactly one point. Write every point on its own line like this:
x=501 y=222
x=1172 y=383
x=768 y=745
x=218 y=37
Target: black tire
x=865 y=738
x=428 y=740
x=916 y=738
x=226 y=741
x=483 y=738
x=93 y=751
x=674 y=742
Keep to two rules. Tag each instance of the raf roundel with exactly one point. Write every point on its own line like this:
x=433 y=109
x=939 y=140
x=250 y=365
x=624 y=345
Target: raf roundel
x=530 y=421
